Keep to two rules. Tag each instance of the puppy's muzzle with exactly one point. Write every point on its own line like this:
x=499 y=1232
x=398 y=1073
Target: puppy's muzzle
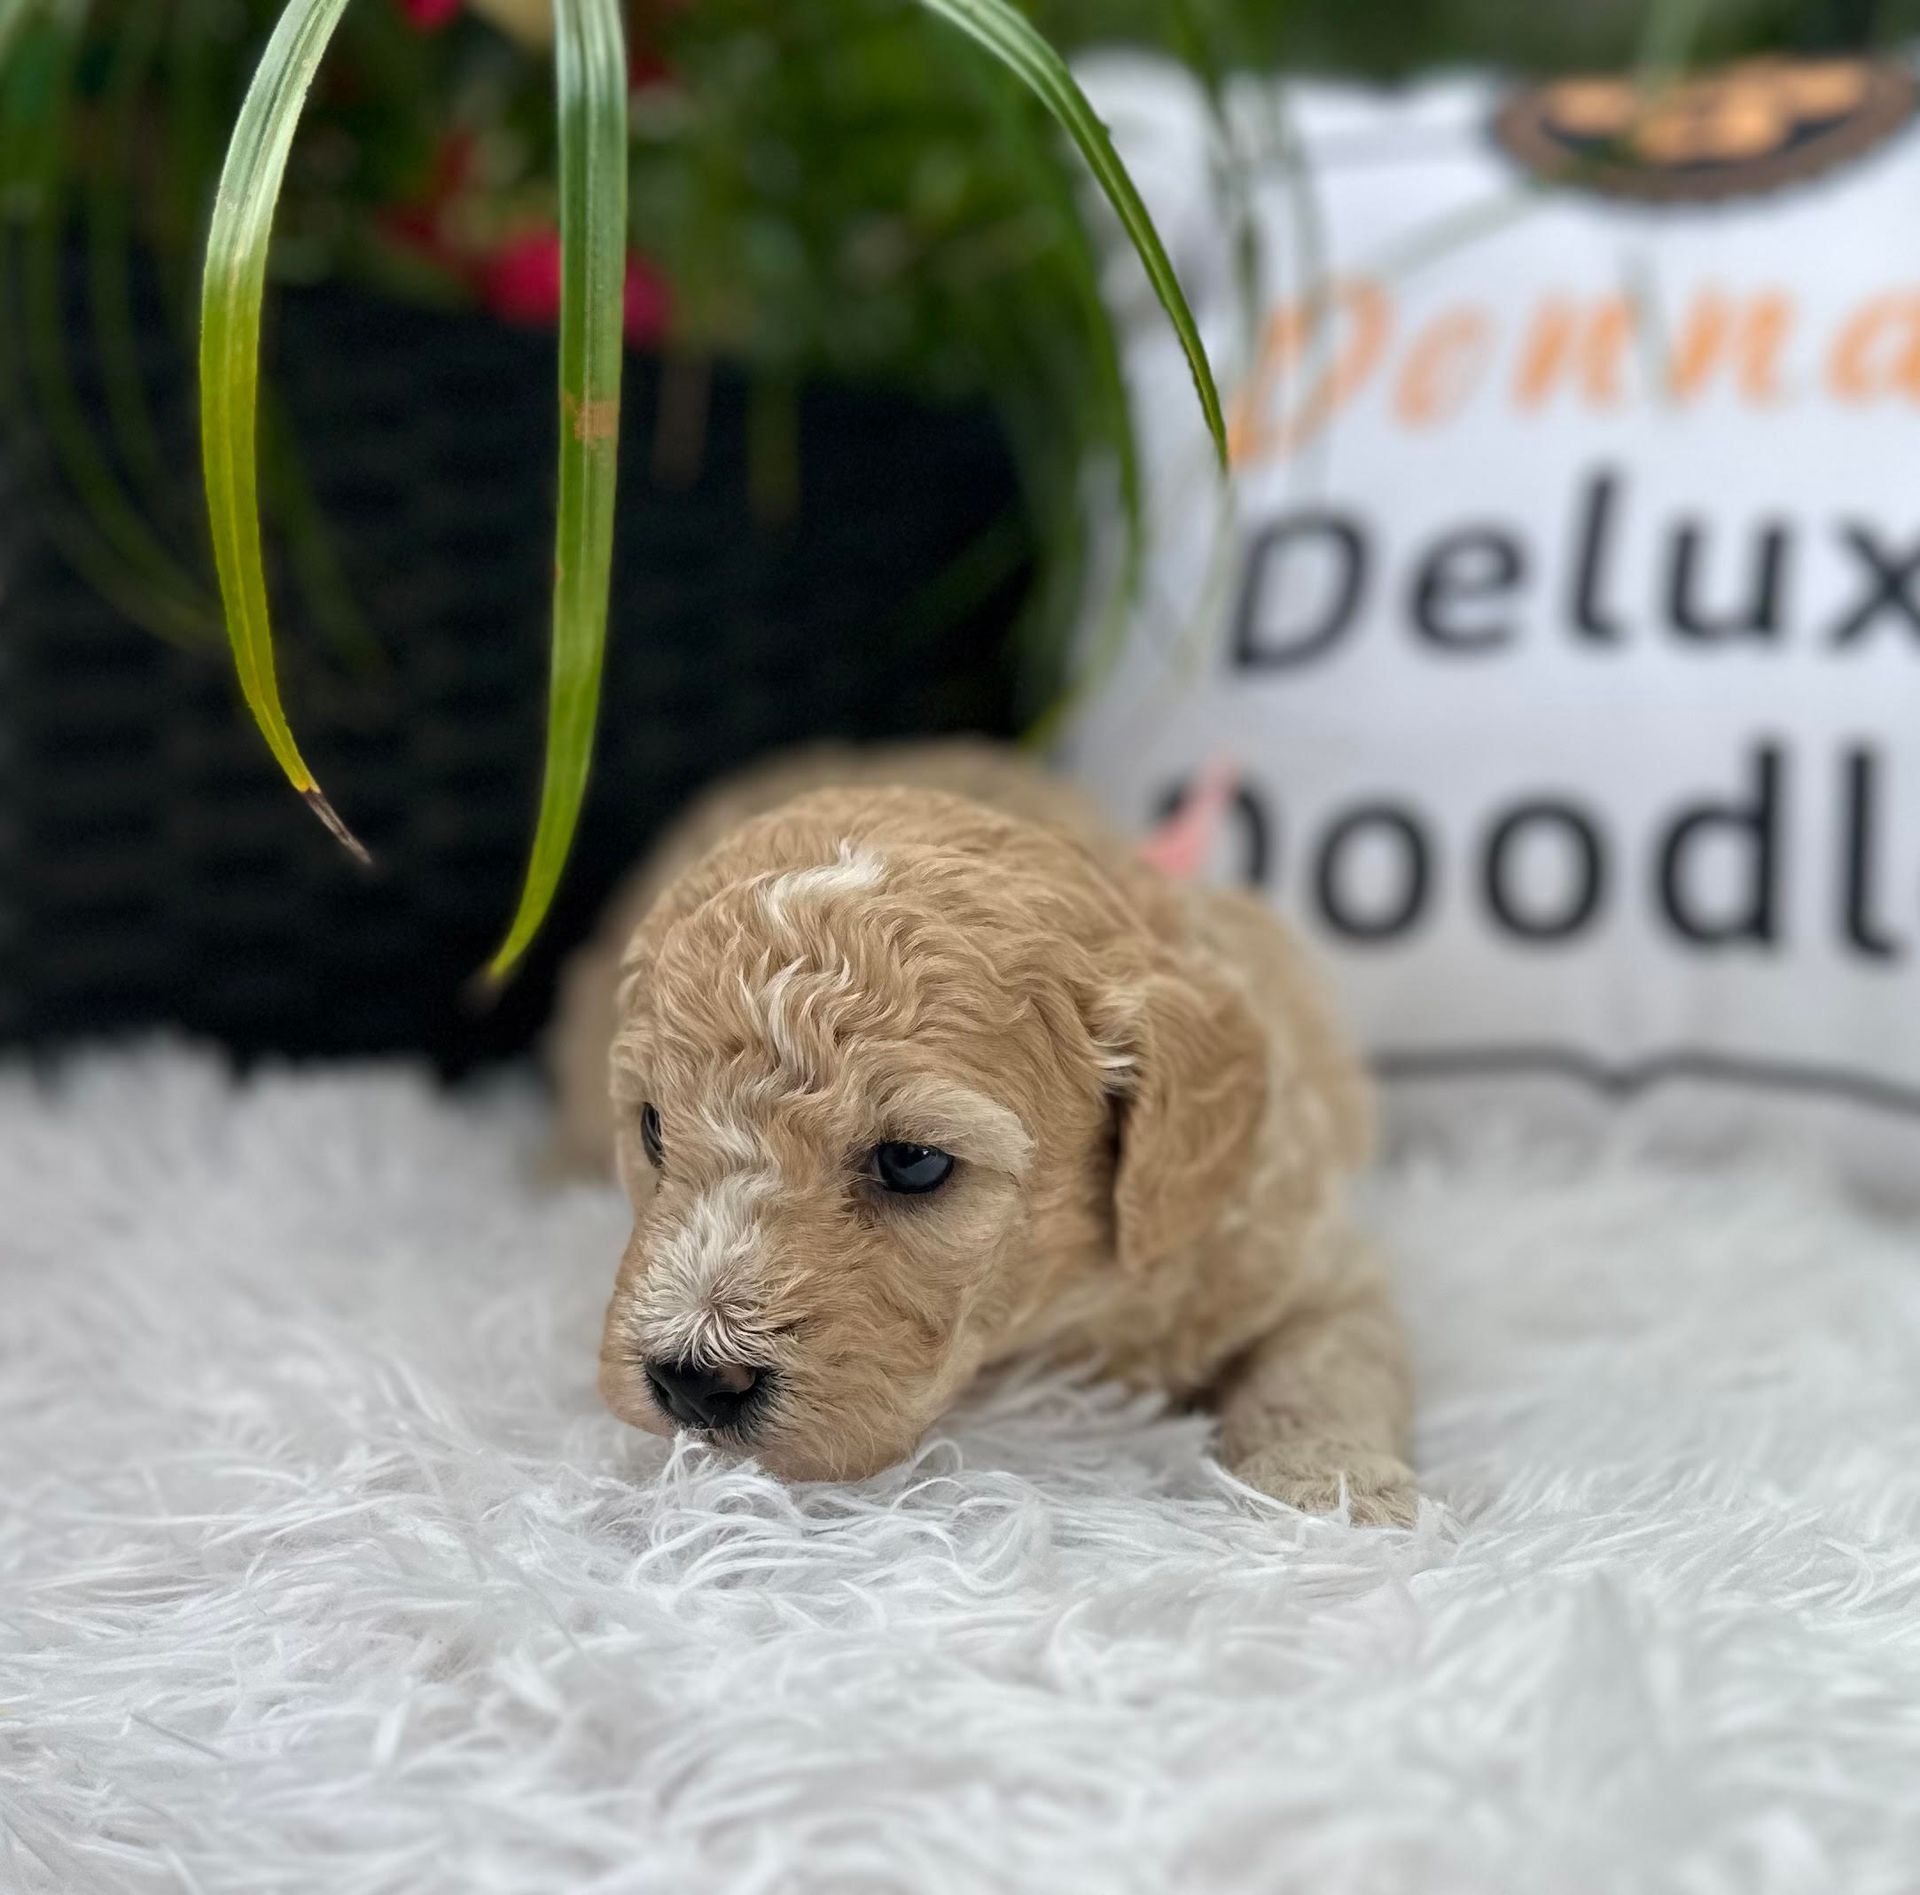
x=710 y=1399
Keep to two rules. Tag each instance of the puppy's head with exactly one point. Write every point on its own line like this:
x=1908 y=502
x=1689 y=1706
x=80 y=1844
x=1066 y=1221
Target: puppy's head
x=891 y=1071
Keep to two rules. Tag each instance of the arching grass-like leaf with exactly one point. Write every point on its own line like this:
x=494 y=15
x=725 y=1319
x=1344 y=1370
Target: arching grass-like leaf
x=1011 y=39
x=1080 y=272
x=232 y=289
x=590 y=79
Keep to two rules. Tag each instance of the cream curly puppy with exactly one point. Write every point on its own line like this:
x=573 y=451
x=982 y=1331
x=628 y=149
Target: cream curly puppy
x=924 y=1070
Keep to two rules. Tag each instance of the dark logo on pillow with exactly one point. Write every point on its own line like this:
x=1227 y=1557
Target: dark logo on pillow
x=1750 y=127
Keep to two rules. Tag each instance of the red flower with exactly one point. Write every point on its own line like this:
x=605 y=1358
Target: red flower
x=429 y=16
x=521 y=282
x=419 y=224
x=646 y=66
x=648 y=301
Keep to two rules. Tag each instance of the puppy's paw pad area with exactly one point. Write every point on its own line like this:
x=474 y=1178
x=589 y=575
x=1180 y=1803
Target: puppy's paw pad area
x=1316 y=1476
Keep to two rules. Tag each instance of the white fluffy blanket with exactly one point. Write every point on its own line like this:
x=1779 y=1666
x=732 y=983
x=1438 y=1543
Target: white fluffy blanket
x=320 y=1568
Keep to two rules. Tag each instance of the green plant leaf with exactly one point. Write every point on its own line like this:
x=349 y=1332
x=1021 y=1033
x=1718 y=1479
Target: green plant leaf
x=230 y=297
x=103 y=536
x=1011 y=38
x=1080 y=272
x=129 y=61
x=590 y=81
x=15 y=17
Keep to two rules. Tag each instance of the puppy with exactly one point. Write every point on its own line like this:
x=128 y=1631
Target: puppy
x=922 y=1069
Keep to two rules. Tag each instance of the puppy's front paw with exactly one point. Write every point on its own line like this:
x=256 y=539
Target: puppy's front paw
x=1311 y=1475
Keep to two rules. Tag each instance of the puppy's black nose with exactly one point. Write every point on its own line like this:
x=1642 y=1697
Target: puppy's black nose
x=701 y=1397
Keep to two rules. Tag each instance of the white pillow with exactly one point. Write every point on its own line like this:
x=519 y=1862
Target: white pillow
x=1566 y=627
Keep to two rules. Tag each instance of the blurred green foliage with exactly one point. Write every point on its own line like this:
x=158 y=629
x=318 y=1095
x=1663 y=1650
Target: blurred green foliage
x=826 y=185
x=818 y=186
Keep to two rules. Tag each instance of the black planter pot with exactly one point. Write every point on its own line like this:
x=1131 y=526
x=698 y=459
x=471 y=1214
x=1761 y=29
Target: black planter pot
x=155 y=868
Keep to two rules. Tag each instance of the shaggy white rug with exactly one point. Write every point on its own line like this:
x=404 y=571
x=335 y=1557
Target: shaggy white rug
x=320 y=1568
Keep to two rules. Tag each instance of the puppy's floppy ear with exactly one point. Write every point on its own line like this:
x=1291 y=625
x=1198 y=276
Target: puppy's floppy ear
x=1186 y=1063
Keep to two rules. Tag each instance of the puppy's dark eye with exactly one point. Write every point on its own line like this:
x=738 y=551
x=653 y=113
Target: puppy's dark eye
x=911 y=1170
x=650 y=1135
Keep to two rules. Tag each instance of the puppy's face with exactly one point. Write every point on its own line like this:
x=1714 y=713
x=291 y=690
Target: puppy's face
x=838 y=1129
x=868 y=1125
